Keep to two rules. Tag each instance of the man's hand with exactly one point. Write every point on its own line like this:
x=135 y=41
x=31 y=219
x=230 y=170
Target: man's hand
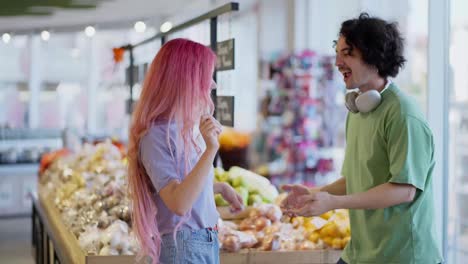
x=295 y=191
x=312 y=204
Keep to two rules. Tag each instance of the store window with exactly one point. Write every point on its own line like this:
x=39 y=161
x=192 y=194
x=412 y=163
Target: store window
x=14 y=71
x=89 y=95
x=458 y=136
x=63 y=71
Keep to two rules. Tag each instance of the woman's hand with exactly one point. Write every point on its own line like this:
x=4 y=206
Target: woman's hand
x=210 y=129
x=230 y=195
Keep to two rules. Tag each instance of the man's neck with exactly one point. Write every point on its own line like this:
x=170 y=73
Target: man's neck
x=377 y=84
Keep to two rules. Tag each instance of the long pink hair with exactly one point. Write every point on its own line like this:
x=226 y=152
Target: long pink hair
x=176 y=90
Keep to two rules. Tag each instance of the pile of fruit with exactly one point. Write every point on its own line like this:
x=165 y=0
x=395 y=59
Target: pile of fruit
x=89 y=189
x=263 y=225
x=266 y=229
x=253 y=188
x=332 y=228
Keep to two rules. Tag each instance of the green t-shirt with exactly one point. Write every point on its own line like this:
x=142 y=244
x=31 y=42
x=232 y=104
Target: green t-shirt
x=393 y=143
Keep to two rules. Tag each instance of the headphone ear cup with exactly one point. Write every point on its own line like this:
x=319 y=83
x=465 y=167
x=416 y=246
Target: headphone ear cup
x=368 y=101
x=350 y=102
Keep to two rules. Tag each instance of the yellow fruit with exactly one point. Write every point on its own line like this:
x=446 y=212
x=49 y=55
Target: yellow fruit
x=314 y=237
x=335 y=232
x=336 y=243
x=341 y=214
x=325 y=231
x=330 y=229
x=328 y=240
x=343 y=229
x=327 y=215
x=309 y=225
x=345 y=241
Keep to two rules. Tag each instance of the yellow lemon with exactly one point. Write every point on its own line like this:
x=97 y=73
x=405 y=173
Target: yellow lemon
x=314 y=237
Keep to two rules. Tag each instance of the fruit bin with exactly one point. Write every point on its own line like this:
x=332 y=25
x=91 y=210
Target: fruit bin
x=52 y=241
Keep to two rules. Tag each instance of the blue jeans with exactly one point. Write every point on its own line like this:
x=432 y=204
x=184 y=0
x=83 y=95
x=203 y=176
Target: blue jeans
x=191 y=246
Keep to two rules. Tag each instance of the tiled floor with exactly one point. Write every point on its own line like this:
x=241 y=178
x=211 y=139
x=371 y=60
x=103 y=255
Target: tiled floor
x=15 y=241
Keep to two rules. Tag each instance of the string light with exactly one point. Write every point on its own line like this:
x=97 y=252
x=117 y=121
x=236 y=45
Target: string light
x=166 y=26
x=140 y=26
x=45 y=35
x=6 y=38
x=90 y=31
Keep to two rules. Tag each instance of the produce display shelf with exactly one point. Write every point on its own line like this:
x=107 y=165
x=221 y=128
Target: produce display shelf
x=54 y=243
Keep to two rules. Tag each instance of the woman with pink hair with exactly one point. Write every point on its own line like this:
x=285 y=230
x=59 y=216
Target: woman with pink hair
x=172 y=145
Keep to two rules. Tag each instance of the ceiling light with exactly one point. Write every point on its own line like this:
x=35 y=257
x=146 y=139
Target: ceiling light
x=6 y=37
x=140 y=26
x=45 y=35
x=90 y=31
x=166 y=27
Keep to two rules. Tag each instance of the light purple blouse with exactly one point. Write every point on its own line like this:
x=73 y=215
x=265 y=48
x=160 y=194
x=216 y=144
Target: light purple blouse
x=155 y=156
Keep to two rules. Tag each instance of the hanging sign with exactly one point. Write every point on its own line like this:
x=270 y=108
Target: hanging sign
x=225 y=110
x=225 y=54
x=135 y=74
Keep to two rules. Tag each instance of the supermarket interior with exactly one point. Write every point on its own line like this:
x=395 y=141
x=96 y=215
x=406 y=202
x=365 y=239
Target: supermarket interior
x=79 y=79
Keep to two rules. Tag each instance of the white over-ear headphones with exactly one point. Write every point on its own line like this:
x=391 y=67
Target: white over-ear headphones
x=357 y=102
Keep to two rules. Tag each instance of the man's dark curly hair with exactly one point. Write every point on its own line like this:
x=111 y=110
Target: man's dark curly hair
x=380 y=43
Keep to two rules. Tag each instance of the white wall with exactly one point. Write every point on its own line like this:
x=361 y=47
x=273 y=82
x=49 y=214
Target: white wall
x=325 y=17
x=242 y=81
x=273 y=27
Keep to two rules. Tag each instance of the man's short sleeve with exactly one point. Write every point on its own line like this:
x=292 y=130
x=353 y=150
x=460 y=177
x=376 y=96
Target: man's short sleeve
x=156 y=157
x=410 y=151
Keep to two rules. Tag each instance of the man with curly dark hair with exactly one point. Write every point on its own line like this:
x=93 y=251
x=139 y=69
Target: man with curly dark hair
x=389 y=156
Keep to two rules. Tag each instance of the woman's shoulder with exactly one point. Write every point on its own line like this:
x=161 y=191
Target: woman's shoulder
x=159 y=131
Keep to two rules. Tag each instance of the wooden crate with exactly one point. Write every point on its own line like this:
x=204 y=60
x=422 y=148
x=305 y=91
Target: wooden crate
x=290 y=257
x=65 y=243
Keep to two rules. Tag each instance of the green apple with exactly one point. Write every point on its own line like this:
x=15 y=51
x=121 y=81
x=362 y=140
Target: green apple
x=266 y=200
x=219 y=200
x=244 y=193
x=238 y=181
x=255 y=199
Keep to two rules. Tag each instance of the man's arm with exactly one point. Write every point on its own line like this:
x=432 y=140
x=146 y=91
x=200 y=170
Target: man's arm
x=338 y=187
x=381 y=196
